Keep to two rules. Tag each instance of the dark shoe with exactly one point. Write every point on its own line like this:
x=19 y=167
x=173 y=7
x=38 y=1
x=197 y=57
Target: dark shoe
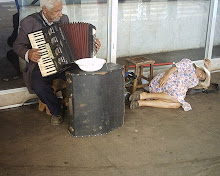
x=134 y=105
x=135 y=96
x=56 y=120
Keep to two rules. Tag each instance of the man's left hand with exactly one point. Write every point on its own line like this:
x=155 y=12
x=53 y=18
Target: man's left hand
x=97 y=44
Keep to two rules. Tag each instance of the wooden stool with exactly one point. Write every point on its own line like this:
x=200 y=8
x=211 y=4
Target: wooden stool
x=139 y=63
x=58 y=85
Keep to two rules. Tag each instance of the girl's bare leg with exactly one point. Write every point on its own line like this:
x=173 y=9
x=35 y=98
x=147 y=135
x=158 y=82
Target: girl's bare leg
x=160 y=103
x=158 y=100
x=157 y=96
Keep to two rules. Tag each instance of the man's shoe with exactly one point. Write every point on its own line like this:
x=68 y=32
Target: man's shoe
x=56 y=120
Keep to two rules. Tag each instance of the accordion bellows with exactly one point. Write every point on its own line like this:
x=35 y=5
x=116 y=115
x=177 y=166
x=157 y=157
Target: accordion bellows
x=62 y=44
x=80 y=37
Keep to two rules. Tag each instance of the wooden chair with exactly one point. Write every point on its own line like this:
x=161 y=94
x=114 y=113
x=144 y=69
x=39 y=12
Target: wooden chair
x=59 y=87
x=139 y=63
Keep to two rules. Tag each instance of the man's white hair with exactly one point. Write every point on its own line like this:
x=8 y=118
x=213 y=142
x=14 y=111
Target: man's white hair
x=49 y=4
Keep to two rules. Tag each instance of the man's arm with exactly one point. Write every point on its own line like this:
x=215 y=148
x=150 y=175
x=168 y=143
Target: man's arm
x=22 y=44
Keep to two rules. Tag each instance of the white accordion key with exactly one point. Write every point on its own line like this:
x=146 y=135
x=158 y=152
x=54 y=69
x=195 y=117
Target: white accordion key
x=45 y=63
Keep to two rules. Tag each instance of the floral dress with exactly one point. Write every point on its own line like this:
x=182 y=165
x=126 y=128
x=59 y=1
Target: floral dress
x=178 y=82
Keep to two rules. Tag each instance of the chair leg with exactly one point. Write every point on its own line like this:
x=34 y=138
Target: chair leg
x=48 y=111
x=134 y=85
x=140 y=74
x=126 y=66
x=64 y=94
x=42 y=107
x=151 y=72
x=135 y=80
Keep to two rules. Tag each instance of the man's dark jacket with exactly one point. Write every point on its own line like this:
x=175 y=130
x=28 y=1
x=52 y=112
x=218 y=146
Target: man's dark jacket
x=22 y=43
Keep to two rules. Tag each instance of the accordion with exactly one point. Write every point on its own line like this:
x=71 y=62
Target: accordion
x=62 y=44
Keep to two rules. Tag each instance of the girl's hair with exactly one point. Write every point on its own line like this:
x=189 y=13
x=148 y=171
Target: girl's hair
x=49 y=4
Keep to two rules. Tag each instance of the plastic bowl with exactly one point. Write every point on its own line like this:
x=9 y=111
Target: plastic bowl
x=90 y=64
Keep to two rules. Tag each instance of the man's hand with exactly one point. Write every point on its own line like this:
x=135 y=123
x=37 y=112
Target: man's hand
x=97 y=44
x=34 y=55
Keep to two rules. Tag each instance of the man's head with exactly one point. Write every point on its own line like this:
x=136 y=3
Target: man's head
x=52 y=9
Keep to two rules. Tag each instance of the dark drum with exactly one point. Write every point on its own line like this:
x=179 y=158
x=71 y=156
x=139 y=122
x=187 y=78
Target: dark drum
x=96 y=100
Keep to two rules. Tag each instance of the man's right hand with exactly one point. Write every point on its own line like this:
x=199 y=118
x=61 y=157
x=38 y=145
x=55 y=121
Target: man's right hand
x=34 y=55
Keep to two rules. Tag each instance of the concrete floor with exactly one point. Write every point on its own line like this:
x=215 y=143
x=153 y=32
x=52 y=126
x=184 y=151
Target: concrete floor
x=152 y=142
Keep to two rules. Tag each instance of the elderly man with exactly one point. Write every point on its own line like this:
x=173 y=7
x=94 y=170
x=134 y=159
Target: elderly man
x=42 y=86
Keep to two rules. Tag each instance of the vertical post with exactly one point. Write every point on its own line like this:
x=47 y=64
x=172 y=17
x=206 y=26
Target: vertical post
x=211 y=28
x=112 y=30
x=17 y=5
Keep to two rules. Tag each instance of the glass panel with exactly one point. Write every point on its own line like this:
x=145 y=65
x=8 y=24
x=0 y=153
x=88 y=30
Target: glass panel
x=89 y=11
x=8 y=30
x=36 y=2
x=28 y=2
x=216 y=48
x=163 y=30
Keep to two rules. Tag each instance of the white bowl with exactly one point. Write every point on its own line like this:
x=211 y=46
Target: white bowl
x=90 y=64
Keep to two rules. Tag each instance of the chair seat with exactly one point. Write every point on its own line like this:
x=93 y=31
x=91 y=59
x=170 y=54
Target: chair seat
x=139 y=61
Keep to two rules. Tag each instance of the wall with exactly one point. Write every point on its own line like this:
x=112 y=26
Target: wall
x=146 y=27
x=14 y=97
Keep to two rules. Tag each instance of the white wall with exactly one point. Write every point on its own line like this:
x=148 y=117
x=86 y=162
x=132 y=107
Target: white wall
x=148 y=27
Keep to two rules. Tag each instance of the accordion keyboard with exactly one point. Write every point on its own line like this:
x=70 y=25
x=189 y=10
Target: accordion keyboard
x=62 y=44
x=45 y=63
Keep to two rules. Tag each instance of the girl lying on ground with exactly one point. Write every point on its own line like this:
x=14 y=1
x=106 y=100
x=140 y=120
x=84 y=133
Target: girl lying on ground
x=168 y=90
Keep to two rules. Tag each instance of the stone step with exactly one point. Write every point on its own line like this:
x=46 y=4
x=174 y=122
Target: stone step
x=16 y=97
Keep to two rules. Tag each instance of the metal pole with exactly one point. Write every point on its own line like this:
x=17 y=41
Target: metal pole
x=112 y=30
x=211 y=28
